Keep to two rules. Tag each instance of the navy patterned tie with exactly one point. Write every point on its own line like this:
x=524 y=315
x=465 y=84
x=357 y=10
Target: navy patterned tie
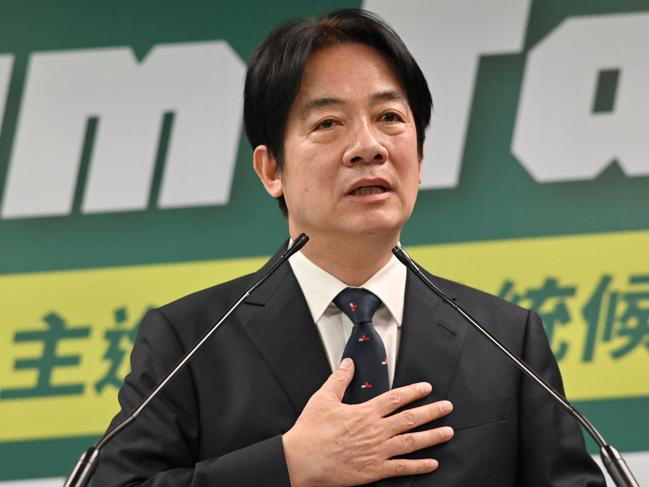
x=365 y=346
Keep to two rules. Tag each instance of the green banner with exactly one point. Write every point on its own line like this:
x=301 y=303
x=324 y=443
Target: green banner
x=126 y=182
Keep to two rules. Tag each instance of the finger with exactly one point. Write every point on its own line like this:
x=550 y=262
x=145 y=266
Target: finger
x=411 y=418
x=410 y=442
x=338 y=381
x=392 y=400
x=400 y=467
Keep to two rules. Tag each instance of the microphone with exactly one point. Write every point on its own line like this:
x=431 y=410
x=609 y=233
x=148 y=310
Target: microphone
x=611 y=458
x=87 y=463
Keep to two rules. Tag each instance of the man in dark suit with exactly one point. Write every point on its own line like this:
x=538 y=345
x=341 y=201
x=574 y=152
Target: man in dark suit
x=336 y=111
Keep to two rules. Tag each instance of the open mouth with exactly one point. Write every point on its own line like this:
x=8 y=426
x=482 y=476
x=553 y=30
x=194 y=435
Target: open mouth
x=366 y=190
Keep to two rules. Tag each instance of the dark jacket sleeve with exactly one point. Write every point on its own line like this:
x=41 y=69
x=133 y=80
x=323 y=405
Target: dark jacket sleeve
x=552 y=451
x=161 y=447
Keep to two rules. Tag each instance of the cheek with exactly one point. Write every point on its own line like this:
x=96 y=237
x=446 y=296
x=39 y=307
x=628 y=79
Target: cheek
x=299 y=189
x=410 y=178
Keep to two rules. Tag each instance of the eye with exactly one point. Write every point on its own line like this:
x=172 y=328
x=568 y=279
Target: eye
x=326 y=124
x=390 y=117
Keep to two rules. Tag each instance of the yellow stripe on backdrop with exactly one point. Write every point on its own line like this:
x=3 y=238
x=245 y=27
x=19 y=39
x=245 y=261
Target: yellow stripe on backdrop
x=103 y=300
x=67 y=334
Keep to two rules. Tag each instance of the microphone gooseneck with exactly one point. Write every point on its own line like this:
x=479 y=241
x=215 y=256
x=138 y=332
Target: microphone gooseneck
x=85 y=467
x=611 y=458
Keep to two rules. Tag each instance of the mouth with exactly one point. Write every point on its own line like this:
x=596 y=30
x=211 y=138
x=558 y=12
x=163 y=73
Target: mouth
x=369 y=187
x=367 y=190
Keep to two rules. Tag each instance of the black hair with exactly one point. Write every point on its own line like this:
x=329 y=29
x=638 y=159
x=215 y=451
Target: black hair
x=276 y=67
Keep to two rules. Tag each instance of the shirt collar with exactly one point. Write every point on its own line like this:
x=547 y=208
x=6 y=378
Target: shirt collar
x=320 y=288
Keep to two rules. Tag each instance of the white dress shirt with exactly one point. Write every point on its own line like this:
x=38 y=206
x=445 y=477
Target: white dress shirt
x=335 y=328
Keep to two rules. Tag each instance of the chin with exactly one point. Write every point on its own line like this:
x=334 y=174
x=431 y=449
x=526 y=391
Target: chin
x=377 y=228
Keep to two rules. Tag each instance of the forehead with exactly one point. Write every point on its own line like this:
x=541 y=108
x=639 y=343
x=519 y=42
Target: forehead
x=347 y=72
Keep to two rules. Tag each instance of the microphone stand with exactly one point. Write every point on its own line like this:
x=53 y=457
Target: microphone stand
x=87 y=463
x=611 y=458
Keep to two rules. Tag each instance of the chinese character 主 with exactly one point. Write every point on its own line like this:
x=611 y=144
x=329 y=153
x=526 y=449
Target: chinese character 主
x=57 y=330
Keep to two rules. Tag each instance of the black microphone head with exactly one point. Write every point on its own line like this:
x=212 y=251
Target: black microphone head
x=297 y=244
x=403 y=257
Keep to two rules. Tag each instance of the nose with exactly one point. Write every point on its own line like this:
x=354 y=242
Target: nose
x=364 y=147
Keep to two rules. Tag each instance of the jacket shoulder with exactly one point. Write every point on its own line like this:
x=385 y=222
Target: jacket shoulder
x=477 y=300
x=196 y=312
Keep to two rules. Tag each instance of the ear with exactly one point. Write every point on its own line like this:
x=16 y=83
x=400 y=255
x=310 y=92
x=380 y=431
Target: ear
x=421 y=170
x=269 y=173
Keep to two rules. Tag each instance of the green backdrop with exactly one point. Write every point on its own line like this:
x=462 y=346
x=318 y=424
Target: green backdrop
x=75 y=278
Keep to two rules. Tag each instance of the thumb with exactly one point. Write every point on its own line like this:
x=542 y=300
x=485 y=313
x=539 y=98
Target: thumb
x=338 y=381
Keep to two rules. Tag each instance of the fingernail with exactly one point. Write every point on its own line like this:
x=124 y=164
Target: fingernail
x=425 y=388
x=432 y=463
x=346 y=363
x=447 y=406
x=448 y=432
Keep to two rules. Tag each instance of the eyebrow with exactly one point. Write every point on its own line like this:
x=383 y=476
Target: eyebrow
x=388 y=95
x=316 y=103
x=319 y=103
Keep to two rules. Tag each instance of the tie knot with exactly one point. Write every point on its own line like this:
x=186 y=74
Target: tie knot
x=358 y=304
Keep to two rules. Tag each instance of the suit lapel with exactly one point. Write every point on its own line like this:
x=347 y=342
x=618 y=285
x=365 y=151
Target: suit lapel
x=281 y=326
x=432 y=336
x=431 y=342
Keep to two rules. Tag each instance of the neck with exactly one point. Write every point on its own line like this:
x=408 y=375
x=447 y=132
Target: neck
x=352 y=259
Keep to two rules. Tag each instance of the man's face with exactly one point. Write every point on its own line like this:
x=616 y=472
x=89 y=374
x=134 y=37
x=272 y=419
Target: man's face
x=351 y=165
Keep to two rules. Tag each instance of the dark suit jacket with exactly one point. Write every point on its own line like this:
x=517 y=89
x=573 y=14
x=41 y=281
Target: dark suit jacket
x=220 y=421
